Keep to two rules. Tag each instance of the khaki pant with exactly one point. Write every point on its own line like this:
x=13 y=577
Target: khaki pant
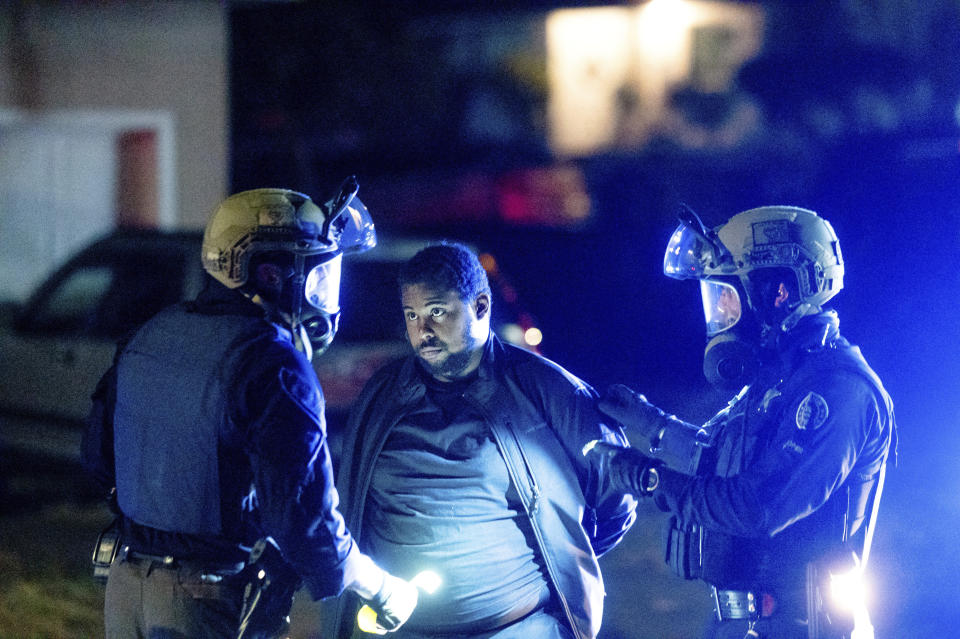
x=147 y=600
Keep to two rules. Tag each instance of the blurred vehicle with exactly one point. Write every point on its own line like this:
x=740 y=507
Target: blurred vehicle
x=55 y=347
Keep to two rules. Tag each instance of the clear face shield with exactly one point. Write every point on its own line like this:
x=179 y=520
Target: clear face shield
x=349 y=225
x=321 y=289
x=688 y=254
x=721 y=306
x=349 y=229
x=694 y=251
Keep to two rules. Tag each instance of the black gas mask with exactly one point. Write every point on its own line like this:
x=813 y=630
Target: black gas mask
x=742 y=335
x=302 y=292
x=315 y=303
x=732 y=355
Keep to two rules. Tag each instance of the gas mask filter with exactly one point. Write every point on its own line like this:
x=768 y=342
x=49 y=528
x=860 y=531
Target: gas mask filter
x=730 y=362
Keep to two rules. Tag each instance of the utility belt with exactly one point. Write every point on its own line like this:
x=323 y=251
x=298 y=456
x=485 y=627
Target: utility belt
x=210 y=571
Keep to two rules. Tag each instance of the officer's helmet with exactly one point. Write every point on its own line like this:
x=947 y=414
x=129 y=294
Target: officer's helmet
x=284 y=225
x=786 y=238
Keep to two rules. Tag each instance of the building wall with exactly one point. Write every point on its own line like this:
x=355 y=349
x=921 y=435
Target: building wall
x=138 y=55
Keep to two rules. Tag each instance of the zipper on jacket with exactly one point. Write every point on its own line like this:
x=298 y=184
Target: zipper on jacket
x=531 y=503
x=534 y=486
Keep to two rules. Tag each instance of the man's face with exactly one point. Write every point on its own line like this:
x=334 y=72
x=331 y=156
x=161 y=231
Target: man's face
x=447 y=333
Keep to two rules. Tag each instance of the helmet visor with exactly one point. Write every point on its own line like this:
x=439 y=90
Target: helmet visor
x=322 y=286
x=688 y=255
x=721 y=306
x=352 y=227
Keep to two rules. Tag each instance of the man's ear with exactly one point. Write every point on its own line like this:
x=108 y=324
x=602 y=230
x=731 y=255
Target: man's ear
x=268 y=277
x=783 y=294
x=481 y=305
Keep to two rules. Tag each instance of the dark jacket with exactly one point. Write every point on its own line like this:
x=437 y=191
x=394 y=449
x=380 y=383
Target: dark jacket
x=540 y=417
x=793 y=468
x=210 y=424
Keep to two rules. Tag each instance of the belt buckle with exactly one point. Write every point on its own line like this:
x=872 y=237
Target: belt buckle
x=735 y=604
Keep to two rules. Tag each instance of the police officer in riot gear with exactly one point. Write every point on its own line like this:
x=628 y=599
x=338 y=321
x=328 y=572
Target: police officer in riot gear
x=210 y=427
x=777 y=494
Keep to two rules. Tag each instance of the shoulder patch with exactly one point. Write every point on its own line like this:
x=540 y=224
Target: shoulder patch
x=812 y=412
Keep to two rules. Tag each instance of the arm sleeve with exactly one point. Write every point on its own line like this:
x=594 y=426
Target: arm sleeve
x=609 y=512
x=292 y=470
x=96 y=448
x=818 y=438
x=96 y=445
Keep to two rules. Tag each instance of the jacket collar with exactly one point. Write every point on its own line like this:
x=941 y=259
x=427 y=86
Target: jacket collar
x=812 y=333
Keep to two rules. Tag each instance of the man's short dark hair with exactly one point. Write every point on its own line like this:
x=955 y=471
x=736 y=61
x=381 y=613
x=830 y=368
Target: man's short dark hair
x=447 y=266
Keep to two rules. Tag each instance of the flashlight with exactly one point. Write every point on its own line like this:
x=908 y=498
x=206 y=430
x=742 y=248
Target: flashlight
x=848 y=591
x=427 y=581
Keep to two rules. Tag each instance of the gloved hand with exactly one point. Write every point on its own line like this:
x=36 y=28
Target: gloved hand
x=632 y=410
x=394 y=603
x=628 y=469
x=391 y=599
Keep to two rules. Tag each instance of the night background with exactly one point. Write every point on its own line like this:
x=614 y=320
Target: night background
x=453 y=119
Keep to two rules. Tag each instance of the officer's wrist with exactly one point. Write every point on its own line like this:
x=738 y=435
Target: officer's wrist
x=366 y=577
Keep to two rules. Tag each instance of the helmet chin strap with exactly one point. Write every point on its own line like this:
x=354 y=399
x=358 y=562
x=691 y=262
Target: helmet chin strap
x=296 y=327
x=301 y=340
x=802 y=310
x=300 y=337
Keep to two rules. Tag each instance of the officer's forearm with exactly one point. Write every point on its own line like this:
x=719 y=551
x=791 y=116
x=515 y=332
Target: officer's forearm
x=673 y=442
x=676 y=444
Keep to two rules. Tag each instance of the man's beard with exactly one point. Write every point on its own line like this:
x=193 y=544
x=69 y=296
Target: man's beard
x=453 y=364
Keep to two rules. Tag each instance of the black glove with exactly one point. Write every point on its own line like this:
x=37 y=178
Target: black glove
x=628 y=469
x=632 y=410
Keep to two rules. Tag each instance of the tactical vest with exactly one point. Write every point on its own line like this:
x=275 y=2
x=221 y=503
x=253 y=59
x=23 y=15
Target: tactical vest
x=172 y=385
x=841 y=523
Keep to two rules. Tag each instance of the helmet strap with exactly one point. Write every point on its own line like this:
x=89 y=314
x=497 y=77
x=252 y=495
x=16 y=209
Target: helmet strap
x=802 y=310
x=302 y=341
x=299 y=278
x=301 y=338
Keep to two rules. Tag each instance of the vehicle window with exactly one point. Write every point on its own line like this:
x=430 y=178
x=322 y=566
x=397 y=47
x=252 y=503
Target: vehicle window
x=72 y=305
x=108 y=298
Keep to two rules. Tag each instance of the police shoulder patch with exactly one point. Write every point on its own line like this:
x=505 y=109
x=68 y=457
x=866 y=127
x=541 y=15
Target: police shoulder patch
x=812 y=412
